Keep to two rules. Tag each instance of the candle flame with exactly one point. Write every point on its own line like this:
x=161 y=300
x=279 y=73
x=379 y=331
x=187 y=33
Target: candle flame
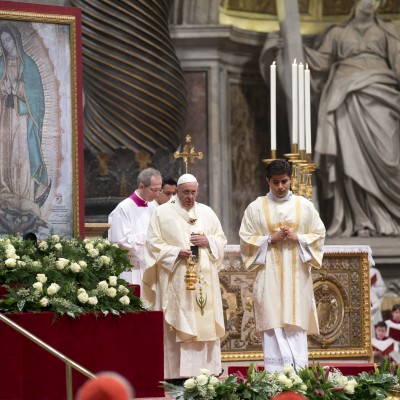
x=274 y=63
x=306 y=65
x=295 y=62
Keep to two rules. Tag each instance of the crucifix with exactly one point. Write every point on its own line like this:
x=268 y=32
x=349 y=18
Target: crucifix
x=188 y=154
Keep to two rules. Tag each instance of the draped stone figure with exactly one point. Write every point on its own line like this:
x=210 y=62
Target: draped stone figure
x=355 y=69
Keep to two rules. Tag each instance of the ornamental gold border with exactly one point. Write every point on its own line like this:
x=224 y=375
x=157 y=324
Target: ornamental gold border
x=362 y=352
x=71 y=20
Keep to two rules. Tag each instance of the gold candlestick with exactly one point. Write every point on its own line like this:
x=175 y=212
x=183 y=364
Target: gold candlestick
x=269 y=160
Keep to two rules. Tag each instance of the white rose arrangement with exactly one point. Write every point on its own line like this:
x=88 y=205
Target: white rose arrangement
x=64 y=276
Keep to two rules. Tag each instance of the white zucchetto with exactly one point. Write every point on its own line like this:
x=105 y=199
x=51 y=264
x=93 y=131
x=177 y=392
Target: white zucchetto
x=187 y=178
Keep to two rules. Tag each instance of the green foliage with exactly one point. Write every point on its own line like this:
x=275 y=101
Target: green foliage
x=316 y=383
x=64 y=276
x=375 y=386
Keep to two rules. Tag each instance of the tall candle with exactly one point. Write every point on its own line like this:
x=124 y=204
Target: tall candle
x=294 y=103
x=307 y=104
x=302 y=144
x=273 y=105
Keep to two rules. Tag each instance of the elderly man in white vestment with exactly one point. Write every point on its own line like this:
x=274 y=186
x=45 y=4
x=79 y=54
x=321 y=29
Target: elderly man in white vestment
x=282 y=237
x=193 y=319
x=130 y=220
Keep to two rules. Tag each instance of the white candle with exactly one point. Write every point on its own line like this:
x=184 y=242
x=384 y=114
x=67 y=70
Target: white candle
x=295 y=139
x=273 y=105
x=302 y=144
x=307 y=103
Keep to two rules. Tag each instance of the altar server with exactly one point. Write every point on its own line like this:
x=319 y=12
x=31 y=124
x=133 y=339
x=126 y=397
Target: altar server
x=282 y=237
x=193 y=319
x=130 y=220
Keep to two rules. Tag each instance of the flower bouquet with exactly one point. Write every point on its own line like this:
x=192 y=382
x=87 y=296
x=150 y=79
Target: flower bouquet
x=316 y=382
x=64 y=276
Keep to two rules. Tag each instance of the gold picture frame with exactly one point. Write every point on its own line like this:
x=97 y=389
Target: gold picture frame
x=45 y=85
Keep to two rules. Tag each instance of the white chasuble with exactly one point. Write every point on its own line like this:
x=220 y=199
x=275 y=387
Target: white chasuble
x=192 y=315
x=283 y=287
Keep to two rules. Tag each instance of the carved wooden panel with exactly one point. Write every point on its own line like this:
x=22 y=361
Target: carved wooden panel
x=341 y=289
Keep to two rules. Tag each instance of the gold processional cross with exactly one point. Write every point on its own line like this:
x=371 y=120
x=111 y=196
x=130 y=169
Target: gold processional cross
x=188 y=154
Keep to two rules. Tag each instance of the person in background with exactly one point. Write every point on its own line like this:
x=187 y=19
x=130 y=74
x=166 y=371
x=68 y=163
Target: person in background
x=282 y=238
x=180 y=230
x=106 y=386
x=384 y=346
x=130 y=219
x=168 y=190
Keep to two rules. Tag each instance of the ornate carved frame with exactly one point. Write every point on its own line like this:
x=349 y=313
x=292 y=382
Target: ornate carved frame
x=70 y=55
x=342 y=293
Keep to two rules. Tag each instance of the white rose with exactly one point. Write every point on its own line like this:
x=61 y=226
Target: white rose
x=111 y=292
x=58 y=246
x=43 y=245
x=122 y=289
x=82 y=264
x=83 y=297
x=10 y=262
x=93 y=253
x=303 y=387
x=113 y=280
x=10 y=251
x=100 y=246
x=189 y=383
x=288 y=383
x=105 y=260
x=38 y=286
x=87 y=240
x=282 y=378
x=53 y=289
x=288 y=369
x=36 y=264
x=61 y=263
x=214 y=380
x=81 y=290
x=56 y=238
x=93 y=300
x=115 y=245
x=21 y=263
x=44 y=301
x=75 y=267
x=106 y=242
x=103 y=285
x=204 y=371
x=296 y=379
x=89 y=246
x=202 y=380
x=124 y=300
x=41 y=278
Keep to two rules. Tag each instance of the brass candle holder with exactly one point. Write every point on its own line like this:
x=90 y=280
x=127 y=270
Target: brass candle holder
x=273 y=157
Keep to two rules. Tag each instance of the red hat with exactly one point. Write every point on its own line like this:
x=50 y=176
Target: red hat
x=104 y=388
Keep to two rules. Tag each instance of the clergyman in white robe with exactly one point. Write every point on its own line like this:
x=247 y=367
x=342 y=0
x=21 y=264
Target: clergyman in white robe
x=284 y=302
x=191 y=333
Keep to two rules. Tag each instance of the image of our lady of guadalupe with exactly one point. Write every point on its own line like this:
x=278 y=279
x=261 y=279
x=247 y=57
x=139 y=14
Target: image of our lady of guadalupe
x=24 y=181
